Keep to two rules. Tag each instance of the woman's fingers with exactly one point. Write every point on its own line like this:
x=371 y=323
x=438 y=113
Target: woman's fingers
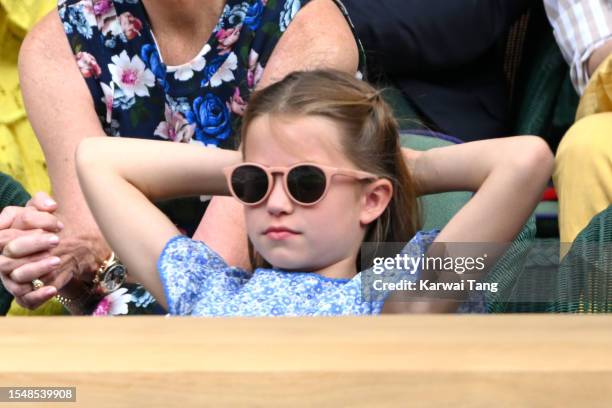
x=31 y=218
x=30 y=244
x=34 y=270
x=7 y=235
x=16 y=289
x=8 y=215
x=34 y=298
x=42 y=202
x=8 y=265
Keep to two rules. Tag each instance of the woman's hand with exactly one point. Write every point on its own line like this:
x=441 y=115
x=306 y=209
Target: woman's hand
x=32 y=248
x=26 y=236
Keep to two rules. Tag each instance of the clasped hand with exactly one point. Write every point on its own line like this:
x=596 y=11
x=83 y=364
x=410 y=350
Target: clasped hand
x=28 y=236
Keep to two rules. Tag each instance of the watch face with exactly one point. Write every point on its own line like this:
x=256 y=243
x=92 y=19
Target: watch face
x=113 y=278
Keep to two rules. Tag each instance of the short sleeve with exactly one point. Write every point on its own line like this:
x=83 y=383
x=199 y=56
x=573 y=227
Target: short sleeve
x=415 y=249
x=191 y=273
x=396 y=271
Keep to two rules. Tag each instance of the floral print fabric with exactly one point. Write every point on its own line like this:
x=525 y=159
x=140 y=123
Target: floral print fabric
x=197 y=281
x=136 y=94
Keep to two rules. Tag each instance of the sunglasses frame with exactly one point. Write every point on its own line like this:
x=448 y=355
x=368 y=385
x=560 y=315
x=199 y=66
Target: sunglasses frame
x=329 y=172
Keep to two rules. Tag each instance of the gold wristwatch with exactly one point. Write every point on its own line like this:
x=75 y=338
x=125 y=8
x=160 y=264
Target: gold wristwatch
x=110 y=276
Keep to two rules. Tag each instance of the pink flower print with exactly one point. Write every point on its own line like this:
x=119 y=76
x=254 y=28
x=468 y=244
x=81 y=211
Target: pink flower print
x=108 y=98
x=131 y=75
x=237 y=104
x=175 y=127
x=130 y=25
x=255 y=71
x=114 y=304
x=102 y=7
x=227 y=38
x=88 y=65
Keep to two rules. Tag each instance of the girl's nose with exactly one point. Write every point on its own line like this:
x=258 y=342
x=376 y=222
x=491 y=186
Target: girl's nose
x=278 y=202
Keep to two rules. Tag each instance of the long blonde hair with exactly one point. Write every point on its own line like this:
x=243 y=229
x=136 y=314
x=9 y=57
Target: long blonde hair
x=370 y=140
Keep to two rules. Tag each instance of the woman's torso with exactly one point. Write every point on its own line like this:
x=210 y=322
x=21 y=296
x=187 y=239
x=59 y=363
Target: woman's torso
x=136 y=94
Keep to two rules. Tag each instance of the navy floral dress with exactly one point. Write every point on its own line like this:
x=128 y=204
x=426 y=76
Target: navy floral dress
x=136 y=94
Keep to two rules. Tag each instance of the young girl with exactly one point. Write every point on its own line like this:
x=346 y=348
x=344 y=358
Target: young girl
x=320 y=172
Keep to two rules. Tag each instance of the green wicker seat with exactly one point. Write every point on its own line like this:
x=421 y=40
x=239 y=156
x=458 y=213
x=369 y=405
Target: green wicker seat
x=584 y=283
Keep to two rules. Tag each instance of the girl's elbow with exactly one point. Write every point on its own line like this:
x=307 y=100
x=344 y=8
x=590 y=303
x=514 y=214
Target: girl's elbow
x=535 y=158
x=88 y=155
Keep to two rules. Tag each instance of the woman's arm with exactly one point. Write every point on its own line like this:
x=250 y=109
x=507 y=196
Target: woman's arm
x=118 y=190
x=507 y=174
x=61 y=112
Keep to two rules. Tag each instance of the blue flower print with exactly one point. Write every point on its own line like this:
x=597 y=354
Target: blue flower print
x=211 y=69
x=253 y=17
x=150 y=56
x=277 y=311
x=212 y=119
x=120 y=100
x=336 y=309
x=77 y=18
x=180 y=104
x=238 y=14
x=142 y=298
x=68 y=28
x=110 y=43
x=290 y=9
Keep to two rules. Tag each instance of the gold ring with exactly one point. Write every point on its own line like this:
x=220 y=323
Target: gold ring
x=37 y=284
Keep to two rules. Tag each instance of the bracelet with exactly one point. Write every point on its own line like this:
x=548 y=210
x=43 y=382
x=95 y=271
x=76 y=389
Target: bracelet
x=64 y=301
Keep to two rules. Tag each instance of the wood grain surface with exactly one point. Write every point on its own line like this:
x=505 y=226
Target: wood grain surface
x=435 y=360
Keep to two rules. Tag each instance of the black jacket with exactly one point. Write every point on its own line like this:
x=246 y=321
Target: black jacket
x=442 y=55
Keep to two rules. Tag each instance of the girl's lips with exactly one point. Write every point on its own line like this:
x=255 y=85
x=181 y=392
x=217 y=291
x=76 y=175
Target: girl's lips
x=279 y=233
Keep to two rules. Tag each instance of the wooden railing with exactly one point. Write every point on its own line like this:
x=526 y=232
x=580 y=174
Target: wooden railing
x=493 y=361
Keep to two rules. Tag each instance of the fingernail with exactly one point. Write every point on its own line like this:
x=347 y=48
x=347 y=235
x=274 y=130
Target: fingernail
x=49 y=202
x=54 y=261
x=51 y=291
x=60 y=225
x=53 y=240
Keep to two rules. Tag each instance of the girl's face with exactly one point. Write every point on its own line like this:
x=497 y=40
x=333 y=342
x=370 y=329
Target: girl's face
x=323 y=238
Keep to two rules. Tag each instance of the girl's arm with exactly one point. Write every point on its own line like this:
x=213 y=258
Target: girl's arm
x=507 y=174
x=120 y=177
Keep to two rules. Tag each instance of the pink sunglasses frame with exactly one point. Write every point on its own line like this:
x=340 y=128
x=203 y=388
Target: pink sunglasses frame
x=329 y=172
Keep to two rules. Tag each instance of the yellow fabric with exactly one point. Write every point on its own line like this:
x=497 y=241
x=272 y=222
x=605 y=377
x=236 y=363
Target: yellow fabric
x=20 y=153
x=583 y=173
x=51 y=308
x=597 y=96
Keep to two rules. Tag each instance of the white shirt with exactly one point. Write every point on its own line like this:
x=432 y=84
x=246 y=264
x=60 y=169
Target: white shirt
x=580 y=27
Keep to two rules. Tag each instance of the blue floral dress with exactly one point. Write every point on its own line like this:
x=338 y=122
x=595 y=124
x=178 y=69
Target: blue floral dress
x=197 y=281
x=135 y=94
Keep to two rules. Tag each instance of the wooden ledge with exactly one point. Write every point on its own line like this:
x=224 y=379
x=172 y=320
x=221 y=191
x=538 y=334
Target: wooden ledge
x=501 y=360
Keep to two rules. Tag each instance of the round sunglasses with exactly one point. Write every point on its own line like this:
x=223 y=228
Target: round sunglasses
x=305 y=183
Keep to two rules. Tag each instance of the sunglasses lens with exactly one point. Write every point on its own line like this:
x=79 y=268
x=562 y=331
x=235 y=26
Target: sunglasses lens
x=306 y=183
x=250 y=183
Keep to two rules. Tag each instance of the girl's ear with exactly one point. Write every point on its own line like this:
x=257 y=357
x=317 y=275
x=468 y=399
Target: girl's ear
x=375 y=199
